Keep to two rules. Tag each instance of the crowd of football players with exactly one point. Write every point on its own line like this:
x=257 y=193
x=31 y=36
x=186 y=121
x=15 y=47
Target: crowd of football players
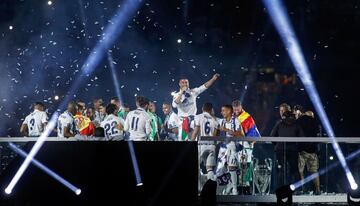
x=113 y=121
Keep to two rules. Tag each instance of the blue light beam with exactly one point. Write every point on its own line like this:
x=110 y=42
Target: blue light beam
x=323 y=171
x=111 y=33
x=134 y=163
x=51 y=173
x=32 y=153
x=118 y=93
x=114 y=76
x=277 y=13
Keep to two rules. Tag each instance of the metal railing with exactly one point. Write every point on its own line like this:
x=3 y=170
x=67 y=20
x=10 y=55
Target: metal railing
x=355 y=140
x=264 y=147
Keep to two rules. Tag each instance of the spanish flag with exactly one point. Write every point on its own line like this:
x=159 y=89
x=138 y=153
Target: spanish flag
x=84 y=125
x=248 y=125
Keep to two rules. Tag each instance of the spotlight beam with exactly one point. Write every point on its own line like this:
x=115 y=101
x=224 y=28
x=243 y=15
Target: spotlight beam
x=118 y=93
x=109 y=55
x=324 y=170
x=134 y=163
x=280 y=19
x=46 y=169
x=130 y=143
x=32 y=153
x=115 y=27
x=114 y=75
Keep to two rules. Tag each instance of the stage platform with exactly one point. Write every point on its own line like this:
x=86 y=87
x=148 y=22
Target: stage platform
x=165 y=167
x=329 y=199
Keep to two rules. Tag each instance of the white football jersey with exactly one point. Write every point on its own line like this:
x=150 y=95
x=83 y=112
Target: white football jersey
x=172 y=121
x=138 y=124
x=110 y=127
x=35 y=121
x=187 y=106
x=99 y=117
x=65 y=120
x=233 y=125
x=207 y=124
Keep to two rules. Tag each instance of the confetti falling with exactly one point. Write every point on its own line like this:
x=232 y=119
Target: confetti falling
x=43 y=51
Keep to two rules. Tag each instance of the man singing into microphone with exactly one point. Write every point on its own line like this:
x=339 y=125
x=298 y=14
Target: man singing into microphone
x=185 y=102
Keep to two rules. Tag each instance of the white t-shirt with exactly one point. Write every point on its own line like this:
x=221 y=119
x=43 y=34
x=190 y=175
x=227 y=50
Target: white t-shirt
x=233 y=125
x=207 y=124
x=172 y=121
x=65 y=120
x=110 y=127
x=99 y=117
x=35 y=121
x=138 y=124
x=187 y=105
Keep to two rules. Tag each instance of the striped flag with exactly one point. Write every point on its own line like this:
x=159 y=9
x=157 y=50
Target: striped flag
x=248 y=125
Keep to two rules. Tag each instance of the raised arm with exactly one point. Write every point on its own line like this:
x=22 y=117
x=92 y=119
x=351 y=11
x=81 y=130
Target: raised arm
x=24 y=129
x=177 y=98
x=211 y=81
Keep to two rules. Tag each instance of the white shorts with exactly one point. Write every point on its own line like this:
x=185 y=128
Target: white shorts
x=207 y=154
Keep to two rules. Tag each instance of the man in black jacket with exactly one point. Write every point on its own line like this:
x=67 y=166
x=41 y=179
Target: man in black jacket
x=287 y=154
x=307 y=151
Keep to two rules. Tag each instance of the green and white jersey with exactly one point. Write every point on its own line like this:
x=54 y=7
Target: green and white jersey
x=155 y=124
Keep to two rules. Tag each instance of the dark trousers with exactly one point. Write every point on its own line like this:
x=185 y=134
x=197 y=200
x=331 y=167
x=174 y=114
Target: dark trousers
x=285 y=168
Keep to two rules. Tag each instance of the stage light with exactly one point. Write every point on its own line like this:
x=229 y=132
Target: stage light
x=353 y=197
x=8 y=191
x=139 y=184
x=78 y=192
x=49 y=3
x=292 y=187
x=284 y=195
x=331 y=158
x=56 y=97
x=179 y=41
x=44 y=169
x=111 y=32
x=11 y=27
x=32 y=153
x=354 y=186
x=280 y=19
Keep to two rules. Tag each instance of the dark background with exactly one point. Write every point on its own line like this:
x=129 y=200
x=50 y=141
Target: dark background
x=43 y=53
x=104 y=173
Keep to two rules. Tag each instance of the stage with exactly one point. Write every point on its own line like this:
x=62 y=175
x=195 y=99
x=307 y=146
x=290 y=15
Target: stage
x=166 y=168
x=330 y=199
